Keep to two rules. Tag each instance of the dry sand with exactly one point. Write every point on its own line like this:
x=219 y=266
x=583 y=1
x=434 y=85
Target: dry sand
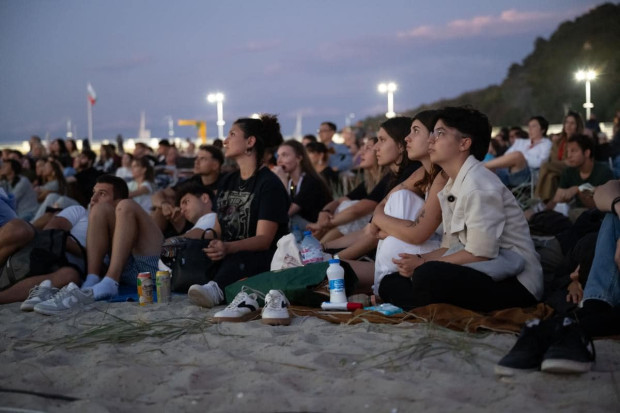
x=309 y=366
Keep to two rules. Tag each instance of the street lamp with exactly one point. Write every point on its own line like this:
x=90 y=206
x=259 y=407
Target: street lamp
x=348 y=119
x=587 y=76
x=388 y=88
x=218 y=98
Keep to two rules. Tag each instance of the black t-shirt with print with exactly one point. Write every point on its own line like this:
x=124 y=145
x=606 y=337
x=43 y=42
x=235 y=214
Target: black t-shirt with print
x=241 y=204
x=311 y=198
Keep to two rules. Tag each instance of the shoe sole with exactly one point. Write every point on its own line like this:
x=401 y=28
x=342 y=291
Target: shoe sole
x=511 y=371
x=276 y=321
x=245 y=317
x=28 y=307
x=196 y=298
x=44 y=311
x=565 y=366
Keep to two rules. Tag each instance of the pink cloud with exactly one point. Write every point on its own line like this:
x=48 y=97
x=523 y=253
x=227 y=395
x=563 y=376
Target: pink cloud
x=506 y=23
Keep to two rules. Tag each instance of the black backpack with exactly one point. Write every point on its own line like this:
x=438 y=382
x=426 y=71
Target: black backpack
x=45 y=254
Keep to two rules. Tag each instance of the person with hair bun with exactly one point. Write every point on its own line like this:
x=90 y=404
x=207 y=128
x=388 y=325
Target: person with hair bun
x=252 y=210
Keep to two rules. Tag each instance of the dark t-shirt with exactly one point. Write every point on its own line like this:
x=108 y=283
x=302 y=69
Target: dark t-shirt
x=241 y=204
x=312 y=197
x=599 y=175
x=196 y=178
x=357 y=193
x=383 y=187
x=331 y=178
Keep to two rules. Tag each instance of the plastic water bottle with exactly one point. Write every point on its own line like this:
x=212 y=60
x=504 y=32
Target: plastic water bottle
x=310 y=249
x=297 y=234
x=335 y=275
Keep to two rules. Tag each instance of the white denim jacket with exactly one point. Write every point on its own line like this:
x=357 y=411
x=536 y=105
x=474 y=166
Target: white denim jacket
x=480 y=213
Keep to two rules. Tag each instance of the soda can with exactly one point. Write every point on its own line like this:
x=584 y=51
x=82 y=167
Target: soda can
x=145 y=288
x=162 y=280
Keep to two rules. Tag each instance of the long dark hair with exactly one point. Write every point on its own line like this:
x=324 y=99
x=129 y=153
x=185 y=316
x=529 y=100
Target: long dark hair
x=306 y=165
x=58 y=175
x=398 y=128
x=578 y=121
x=427 y=118
x=149 y=174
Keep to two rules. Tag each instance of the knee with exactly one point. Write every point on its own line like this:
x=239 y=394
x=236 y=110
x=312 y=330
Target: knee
x=17 y=232
x=127 y=206
x=101 y=211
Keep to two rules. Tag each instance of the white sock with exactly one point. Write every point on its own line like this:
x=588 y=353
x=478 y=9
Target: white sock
x=106 y=288
x=91 y=279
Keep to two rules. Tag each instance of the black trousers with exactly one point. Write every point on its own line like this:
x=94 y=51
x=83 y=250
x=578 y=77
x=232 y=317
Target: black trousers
x=441 y=282
x=242 y=264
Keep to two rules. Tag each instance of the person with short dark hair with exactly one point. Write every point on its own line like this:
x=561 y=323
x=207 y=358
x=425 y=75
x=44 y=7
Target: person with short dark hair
x=340 y=158
x=513 y=168
x=487 y=259
x=581 y=176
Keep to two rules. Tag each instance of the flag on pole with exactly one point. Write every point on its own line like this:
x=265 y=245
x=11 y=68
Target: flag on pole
x=92 y=96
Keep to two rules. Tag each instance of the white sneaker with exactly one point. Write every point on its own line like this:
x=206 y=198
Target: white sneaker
x=275 y=312
x=208 y=295
x=243 y=308
x=38 y=294
x=68 y=298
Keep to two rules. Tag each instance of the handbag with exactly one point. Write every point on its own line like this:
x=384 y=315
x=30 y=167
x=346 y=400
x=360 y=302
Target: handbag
x=188 y=262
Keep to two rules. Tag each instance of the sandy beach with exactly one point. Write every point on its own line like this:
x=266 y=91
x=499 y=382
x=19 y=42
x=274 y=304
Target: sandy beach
x=123 y=357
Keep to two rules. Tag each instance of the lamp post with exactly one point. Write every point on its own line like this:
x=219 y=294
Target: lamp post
x=587 y=76
x=348 y=119
x=388 y=88
x=218 y=98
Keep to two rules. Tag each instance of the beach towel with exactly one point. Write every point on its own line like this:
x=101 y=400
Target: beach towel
x=509 y=320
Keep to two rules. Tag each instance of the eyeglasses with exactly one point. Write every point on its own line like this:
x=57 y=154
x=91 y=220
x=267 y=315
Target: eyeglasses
x=440 y=133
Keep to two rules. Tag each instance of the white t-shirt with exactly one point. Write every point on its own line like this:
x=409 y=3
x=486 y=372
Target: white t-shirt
x=77 y=216
x=206 y=221
x=534 y=155
x=143 y=200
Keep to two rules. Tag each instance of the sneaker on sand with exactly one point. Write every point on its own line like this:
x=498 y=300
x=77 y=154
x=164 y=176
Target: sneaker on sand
x=243 y=308
x=528 y=351
x=208 y=295
x=275 y=312
x=573 y=352
x=38 y=294
x=68 y=298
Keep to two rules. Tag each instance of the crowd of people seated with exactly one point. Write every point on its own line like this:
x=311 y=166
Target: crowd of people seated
x=423 y=213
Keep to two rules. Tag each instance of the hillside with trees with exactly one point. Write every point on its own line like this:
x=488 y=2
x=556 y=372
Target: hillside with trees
x=544 y=82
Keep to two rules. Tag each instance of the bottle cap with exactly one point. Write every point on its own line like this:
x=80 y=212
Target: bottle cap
x=307 y=232
x=334 y=261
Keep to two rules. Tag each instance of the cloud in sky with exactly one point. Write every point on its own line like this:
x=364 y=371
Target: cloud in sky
x=508 y=22
x=126 y=63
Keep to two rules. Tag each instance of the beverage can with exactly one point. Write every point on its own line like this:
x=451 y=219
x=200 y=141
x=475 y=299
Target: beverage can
x=162 y=280
x=145 y=288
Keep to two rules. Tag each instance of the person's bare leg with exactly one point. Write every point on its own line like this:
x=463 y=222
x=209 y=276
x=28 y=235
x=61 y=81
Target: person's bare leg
x=365 y=272
x=361 y=246
x=344 y=240
x=515 y=161
x=101 y=221
x=19 y=292
x=136 y=233
x=331 y=235
x=14 y=235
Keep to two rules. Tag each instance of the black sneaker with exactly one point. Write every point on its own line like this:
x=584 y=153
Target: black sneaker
x=528 y=351
x=573 y=352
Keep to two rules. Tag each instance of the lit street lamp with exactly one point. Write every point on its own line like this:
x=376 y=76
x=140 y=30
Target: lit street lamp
x=388 y=88
x=218 y=98
x=586 y=75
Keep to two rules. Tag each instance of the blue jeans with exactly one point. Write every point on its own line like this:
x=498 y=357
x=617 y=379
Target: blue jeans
x=513 y=179
x=604 y=280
